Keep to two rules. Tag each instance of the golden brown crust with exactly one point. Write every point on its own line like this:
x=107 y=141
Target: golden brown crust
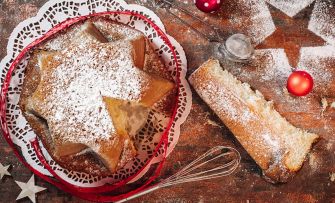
x=153 y=64
x=83 y=162
x=277 y=147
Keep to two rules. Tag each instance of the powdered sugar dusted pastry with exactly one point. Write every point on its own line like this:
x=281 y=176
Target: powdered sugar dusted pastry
x=278 y=147
x=91 y=94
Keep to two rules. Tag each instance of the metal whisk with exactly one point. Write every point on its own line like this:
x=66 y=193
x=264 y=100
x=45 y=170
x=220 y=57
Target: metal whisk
x=217 y=162
x=236 y=48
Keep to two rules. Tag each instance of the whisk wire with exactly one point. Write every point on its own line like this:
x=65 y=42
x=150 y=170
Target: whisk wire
x=207 y=154
x=217 y=171
x=191 y=166
x=188 y=174
x=194 y=177
x=186 y=179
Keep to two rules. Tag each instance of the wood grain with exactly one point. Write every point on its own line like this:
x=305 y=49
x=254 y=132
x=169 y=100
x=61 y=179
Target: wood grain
x=312 y=184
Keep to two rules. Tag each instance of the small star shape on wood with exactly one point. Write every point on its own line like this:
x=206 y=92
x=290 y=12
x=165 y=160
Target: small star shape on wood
x=4 y=171
x=29 y=189
x=291 y=34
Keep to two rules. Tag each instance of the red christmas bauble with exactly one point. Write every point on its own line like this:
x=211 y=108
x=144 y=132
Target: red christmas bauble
x=208 y=6
x=300 y=83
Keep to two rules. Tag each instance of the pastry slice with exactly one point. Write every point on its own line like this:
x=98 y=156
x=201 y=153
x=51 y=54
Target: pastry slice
x=157 y=89
x=278 y=147
x=127 y=117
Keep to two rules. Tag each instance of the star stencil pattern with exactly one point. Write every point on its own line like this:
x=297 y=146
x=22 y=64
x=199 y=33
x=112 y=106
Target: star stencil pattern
x=29 y=189
x=4 y=171
x=286 y=36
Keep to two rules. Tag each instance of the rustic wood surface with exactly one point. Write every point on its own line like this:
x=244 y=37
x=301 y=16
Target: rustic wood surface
x=314 y=183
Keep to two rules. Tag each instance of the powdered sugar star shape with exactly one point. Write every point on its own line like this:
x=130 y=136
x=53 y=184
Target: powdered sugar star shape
x=295 y=6
x=287 y=27
x=4 y=171
x=29 y=189
x=82 y=90
x=74 y=85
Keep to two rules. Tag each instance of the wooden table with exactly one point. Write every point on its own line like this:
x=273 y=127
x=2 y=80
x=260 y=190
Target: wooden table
x=202 y=130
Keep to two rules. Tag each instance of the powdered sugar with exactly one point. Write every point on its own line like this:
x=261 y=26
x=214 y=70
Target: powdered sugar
x=114 y=32
x=275 y=64
x=290 y=7
x=322 y=21
x=61 y=40
x=272 y=64
x=255 y=19
x=88 y=72
x=258 y=24
x=268 y=137
x=319 y=62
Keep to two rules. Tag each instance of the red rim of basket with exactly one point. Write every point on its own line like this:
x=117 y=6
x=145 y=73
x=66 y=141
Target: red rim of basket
x=88 y=193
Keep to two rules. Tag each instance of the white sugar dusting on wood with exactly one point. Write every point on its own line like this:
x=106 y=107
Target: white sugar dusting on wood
x=322 y=21
x=257 y=18
x=314 y=161
x=275 y=64
x=290 y=7
x=318 y=61
x=324 y=105
x=332 y=177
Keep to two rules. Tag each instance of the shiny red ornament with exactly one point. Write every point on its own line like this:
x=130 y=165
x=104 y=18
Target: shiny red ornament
x=300 y=83
x=208 y=6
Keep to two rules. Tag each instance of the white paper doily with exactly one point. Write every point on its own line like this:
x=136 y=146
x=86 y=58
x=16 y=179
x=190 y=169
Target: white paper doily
x=51 y=14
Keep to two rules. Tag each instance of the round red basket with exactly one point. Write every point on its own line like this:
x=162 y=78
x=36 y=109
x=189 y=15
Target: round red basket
x=99 y=193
